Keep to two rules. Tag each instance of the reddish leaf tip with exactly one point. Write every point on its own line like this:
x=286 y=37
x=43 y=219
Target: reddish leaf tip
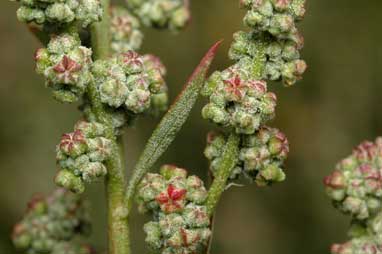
x=206 y=60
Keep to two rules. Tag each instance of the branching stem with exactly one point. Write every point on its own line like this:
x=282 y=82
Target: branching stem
x=118 y=232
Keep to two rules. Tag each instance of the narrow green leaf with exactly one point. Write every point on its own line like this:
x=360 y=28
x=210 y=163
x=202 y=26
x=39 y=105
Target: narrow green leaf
x=171 y=123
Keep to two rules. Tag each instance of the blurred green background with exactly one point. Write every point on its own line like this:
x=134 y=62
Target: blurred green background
x=336 y=106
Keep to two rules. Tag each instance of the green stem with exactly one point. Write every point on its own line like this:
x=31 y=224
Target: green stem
x=228 y=162
x=115 y=182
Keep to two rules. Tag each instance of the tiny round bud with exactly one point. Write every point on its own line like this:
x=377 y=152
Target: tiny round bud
x=68 y=180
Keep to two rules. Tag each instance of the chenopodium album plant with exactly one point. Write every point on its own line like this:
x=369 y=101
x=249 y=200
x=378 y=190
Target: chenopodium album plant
x=90 y=54
x=355 y=186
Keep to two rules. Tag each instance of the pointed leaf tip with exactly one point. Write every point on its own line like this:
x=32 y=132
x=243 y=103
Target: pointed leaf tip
x=206 y=61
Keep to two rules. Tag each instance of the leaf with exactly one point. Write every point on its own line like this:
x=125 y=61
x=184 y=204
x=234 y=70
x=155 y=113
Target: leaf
x=171 y=123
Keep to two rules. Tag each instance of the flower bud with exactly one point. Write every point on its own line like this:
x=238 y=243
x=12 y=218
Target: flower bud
x=73 y=144
x=171 y=171
x=153 y=234
x=68 y=180
x=59 y=12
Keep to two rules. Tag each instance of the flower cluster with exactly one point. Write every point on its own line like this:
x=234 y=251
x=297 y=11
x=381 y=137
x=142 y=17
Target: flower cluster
x=355 y=186
x=282 y=56
x=181 y=224
x=124 y=30
x=65 y=64
x=366 y=237
x=60 y=12
x=277 y=17
x=51 y=223
x=238 y=101
x=172 y=14
x=238 y=97
x=261 y=155
x=273 y=37
x=81 y=156
x=131 y=82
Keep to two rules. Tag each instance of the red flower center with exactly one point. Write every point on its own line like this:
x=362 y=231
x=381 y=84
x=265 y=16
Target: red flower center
x=170 y=200
x=234 y=86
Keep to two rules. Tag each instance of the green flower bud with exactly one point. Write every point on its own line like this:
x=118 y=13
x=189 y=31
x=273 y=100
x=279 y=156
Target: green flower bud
x=124 y=30
x=153 y=234
x=89 y=11
x=66 y=179
x=196 y=216
x=172 y=14
x=27 y=14
x=65 y=65
x=261 y=155
x=171 y=171
x=59 y=12
x=92 y=171
x=196 y=192
x=73 y=144
x=90 y=129
x=100 y=149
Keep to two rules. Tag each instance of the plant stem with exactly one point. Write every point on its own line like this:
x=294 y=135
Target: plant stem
x=228 y=162
x=118 y=232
